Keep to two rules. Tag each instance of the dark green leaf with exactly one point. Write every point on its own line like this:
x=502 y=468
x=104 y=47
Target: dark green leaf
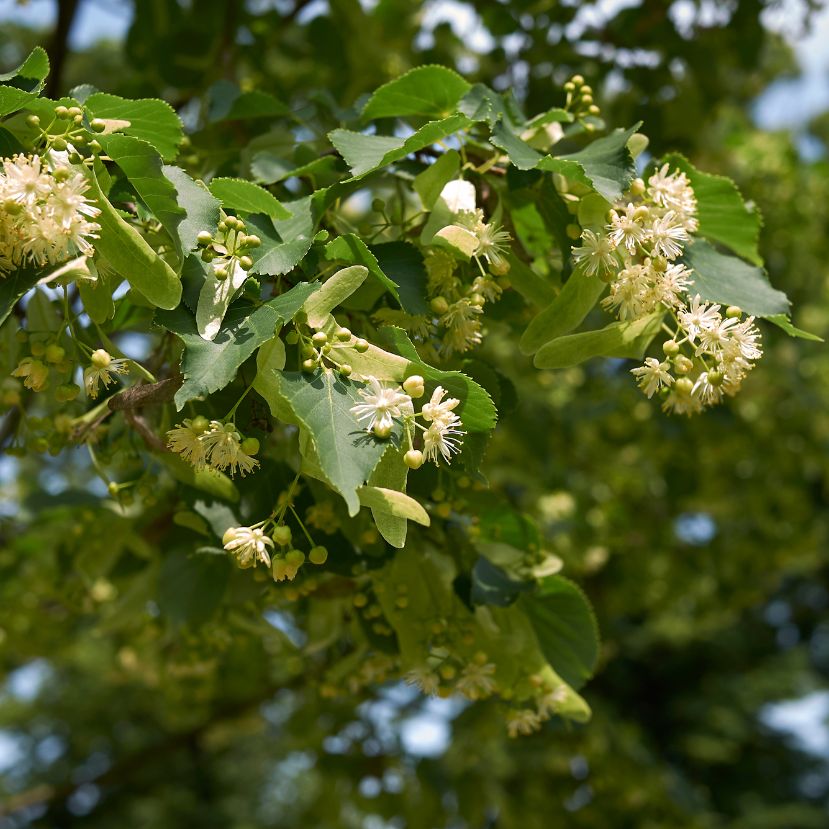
x=247 y=197
x=200 y=207
x=429 y=91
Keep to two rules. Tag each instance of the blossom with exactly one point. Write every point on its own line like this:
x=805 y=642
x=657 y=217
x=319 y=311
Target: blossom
x=442 y=438
x=492 y=242
x=438 y=409
x=698 y=317
x=223 y=449
x=522 y=721
x=672 y=283
x=667 y=234
x=423 y=678
x=463 y=328
x=674 y=192
x=549 y=703
x=477 y=680
x=382 y=404
x=626 y=228
x=652 y=375
x=715 y=337
x=597 y=255
x=185 y=439
x=631 y=295
x=101 y=371
x=708 y=387
x=35 y=373
x=249 y=545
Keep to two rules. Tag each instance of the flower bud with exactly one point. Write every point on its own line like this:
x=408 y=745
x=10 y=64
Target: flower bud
x=684 y=385
x=319 y=339
x=318 y=555
x=250 y=446
x=360 y=346
x=221 y=274
x=682 y=364
x=578 y=80
x=573 y=231
x=54 y=353
x=670 y=347
x=38 y=349
x=439 y=305
x=282 y=535
x=413 y=459
x=199 y=424
x=97 y=125
x=292 y=338
x=343 y=334
x=100 y=358
x=309 y=365
x=382 y=430
x=33 y=121
x=295 y=558
x=59 y=143
x=251 y=241
x=61 y=111
x=637 y=187
x=205 y=237
x=345 y=370
x=414 y=386
x=245 y=263
x=733 y=312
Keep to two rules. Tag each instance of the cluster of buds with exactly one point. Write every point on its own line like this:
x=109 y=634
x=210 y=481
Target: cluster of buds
x=580 y=98
x=213 y=444
x=383 y=405
x=229 y=248
x=315 y=349
x=68 y=132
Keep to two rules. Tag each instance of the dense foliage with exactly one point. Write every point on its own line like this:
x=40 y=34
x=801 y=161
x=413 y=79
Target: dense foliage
x=290 y=273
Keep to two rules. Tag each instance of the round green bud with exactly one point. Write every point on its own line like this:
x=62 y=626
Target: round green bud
x=715 y=378
x=69 y=391
x=222 y=226
x=97 y=125
x=61 y=174
x=282 y=535
x=75 y=158
x=112 y=488
x=684 y=385
x=199 y=424
x=251 y=241
x=378 y=205
x=346 y=370
x=414 y=386
x=578 y=80
x=61 y=111
x=309 y=365
x=308 y=350
x=245 y=263
x=637 y=187
x=587 y=100
x=221 y=274
x=33 y=121
x=413 y=459
x=292 y=338
x=38 y=349
x=318 y=554
x=360 y=345
x=670 y=347
x=296 y=558
x=40 y=444
x=569 y=86
x=319 y=339
x=54 y=353
x=593 y=110
x=250 y=446
x=359 y=600
x=205 y=237
x=476 y=299
x=682 y=364
x=587 y=90
x=21 y=336
x=100 y=358
x=439 y=305
x=74 y=112
x=573 y=231
x=733 y=312
x=59 y=143
x=382 y=430
x=343 y=334
x=95 y=146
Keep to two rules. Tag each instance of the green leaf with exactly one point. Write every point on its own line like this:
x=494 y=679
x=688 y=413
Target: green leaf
x=150 y=119
x=366 y=153
x=13 y=286
x=429 y=184
x=459 y=241
x=229 y=103
x=210 y=481
x=606 y=164
x=521 y=154
x=476 y=408
x=429 y=91
x=346 y=453
x=718 y=277
x=390 y=473
x=492 y=586
x=190 y=588
x=723 y=215
x=200 y=207
x=142 y=165
x=394 y=503
x=27 y=82
x=782 y=321
x=130 y=255
x=481 y=103
x=565 y=313
x=247 y=197
x=619 y=339
x=334 y=290
x=352 y=249
x=533 y=287
x=207 y=365
x=566 y=628
x=404 y=262
x=284 y=243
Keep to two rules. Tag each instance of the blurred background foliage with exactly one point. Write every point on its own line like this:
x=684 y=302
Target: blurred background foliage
x=702 y=543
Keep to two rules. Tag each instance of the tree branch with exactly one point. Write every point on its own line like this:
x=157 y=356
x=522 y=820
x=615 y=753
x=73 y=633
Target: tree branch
x=59 y=45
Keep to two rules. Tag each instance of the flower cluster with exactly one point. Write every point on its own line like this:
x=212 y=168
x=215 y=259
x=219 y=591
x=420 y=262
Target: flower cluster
x=383 y=405
x=103 y=366
x=213 y=444
x=708 y=354
x=45 y=218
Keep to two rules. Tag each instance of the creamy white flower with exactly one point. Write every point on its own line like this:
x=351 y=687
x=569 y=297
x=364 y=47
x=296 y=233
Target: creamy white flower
x=706 y=389
x=186 y=441
x=652 y=375
x=522 y=721
x=477 y=681
x=223 y=449
x=463 y=328
x=626 y=229
x=438 y=409
x=442 y=438
x=667 y=235
x=249 y=545
x=672 y=191
x=424 y=678
x=459 y=196
x=382 y=404
x=698 y=317
x=101 y=371
x=746 y=337
x=672 y=284
x=715 y=337
x=596 y=256
x=631 y=294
